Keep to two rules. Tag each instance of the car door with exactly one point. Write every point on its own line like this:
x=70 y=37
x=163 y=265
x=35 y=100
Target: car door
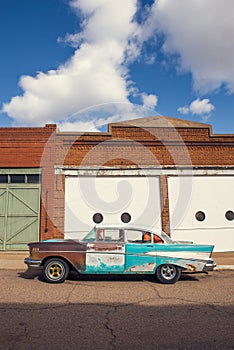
x=140 y=252
x=107 y=253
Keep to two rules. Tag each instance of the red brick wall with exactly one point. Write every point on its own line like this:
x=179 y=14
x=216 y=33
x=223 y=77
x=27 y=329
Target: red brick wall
x=33 y=148
x=162 y=146
x=165 y=215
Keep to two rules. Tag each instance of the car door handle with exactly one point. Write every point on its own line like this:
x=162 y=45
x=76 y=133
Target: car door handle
x=149 y=245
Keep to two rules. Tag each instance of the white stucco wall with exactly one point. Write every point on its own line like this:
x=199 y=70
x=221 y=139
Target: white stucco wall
x=213 y=195
x=111 y=196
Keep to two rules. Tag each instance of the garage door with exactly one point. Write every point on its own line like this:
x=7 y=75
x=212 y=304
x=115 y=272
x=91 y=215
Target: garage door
x=201 y=210
x=110 y=200
x=19 y=212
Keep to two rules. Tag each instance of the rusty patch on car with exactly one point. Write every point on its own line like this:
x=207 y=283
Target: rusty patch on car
x=144 y=267
x=191 y=267
x=97 y=247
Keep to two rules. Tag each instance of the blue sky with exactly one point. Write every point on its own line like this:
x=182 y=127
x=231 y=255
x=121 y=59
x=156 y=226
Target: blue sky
x=84 y=63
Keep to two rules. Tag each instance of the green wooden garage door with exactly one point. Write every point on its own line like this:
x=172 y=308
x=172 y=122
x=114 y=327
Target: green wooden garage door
x=19 y=214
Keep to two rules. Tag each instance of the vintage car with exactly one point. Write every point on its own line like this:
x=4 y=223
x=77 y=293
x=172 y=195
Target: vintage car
x=119 y=250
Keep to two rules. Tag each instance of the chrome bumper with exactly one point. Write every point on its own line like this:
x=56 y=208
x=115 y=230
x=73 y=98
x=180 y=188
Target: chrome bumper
x=32 y=263
x=209 y=266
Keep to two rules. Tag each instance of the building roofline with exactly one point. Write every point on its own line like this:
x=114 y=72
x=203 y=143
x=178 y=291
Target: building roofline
x=161 y=122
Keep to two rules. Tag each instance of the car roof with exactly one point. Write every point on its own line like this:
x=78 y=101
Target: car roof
x=128 y=226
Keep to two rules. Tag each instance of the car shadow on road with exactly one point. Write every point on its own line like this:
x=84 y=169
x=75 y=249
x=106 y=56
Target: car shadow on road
x=30 y=274
x=74 y=276
x=124 y=278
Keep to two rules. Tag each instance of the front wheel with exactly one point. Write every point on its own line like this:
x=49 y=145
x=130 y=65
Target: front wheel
x=55 y=270
x=168 y=274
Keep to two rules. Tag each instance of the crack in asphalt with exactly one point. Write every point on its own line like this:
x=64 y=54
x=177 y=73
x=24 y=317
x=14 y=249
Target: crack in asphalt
x=215 y=305
x=109 y=328
x=69 y=294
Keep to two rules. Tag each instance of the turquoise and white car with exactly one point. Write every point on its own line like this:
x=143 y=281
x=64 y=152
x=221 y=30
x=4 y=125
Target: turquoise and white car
x=115 y=249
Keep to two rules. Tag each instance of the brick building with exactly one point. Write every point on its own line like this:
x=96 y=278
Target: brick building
x=162 y=172
x=26 y=178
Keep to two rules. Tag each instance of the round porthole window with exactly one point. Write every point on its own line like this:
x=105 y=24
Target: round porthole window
x=200 y=216
x=229 y=215
x=97 y=218
x=125 y=217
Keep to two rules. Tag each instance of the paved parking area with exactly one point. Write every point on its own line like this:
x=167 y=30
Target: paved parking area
x=116 y=313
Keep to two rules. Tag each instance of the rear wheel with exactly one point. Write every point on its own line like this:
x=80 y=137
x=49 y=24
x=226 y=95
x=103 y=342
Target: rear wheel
x=55 y=270
x=168 y=274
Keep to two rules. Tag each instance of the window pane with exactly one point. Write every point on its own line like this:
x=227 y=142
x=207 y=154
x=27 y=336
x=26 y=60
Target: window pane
x=134 y=236
x=200 y=216
x=125 y=217
x=111 y=235
x=33 y=178
x=97 y=218
x=17 y=178
x=229 y=215
x=4 y=179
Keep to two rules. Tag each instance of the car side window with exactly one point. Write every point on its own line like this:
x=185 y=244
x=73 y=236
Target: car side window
x=110 y=235
x=146 y=237
x=157 y=239
x=134 y=236
x=100 y=235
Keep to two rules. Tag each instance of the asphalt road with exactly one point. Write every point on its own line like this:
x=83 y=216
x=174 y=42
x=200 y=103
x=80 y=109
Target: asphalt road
x=115 y=313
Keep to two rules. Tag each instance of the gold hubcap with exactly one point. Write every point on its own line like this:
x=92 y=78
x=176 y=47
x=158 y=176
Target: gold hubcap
x=55 y=270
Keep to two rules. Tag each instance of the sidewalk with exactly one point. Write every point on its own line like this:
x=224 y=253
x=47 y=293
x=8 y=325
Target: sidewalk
x=15 y=260
x=224 y=260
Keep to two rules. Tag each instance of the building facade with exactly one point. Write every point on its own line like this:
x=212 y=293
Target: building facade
x=166 y=173
x=26 y=185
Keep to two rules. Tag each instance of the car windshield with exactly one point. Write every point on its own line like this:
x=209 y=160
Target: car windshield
x=166 y=238
x=90 y=236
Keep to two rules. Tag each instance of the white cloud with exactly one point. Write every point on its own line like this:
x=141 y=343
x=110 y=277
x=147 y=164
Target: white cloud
x=198 y=32
x=149 y=101
x=97 y=73
x=86 y=120
x=198 y=107
x=201 y=33
x=201 y=106
x=183 y=110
